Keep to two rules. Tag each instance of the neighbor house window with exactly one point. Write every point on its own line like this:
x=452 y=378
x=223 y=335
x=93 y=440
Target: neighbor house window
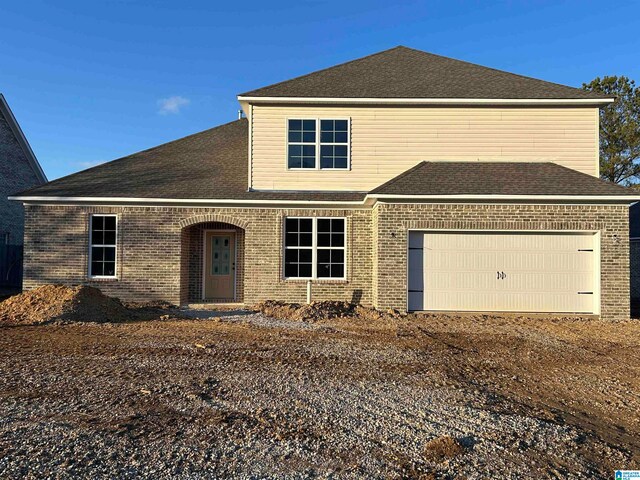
x=102 y=246
x=314 y=248
x=318 y=144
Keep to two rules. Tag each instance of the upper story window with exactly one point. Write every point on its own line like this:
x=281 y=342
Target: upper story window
x=102 y=246
x=318 y=144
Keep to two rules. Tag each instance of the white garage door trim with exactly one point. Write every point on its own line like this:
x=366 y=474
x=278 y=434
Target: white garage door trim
x=596 y=255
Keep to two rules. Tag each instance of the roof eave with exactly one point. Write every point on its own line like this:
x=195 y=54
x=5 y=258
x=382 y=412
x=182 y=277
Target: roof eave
x=428 y=101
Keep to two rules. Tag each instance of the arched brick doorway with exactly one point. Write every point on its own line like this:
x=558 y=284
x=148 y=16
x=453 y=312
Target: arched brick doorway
x=212 y=262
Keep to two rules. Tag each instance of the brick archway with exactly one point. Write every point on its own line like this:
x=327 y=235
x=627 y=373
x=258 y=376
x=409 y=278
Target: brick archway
x=213 y=217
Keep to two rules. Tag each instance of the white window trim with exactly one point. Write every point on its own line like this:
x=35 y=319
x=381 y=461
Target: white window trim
x=91 y=245
x=314 y=249
x=317 y=145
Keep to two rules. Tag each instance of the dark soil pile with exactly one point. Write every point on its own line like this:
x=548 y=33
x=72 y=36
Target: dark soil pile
x=442 y=448
x=57 y=303
x=315 y=311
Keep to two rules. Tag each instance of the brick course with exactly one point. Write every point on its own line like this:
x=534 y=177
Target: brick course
x=390 y=284
x=160 y=248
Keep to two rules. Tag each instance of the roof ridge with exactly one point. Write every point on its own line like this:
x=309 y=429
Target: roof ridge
x=397 y=47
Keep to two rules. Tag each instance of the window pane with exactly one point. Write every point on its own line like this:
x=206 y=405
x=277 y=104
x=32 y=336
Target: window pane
x=110 y=254
x=341 y=125
x=304 y=270
x=324 y=256
x=305 y=255
x=340 y=137
x=340 y=162
x=337 y=271
x=294 y=162
x=295 y=136
x=309 y=125
x=109 y=268
x=324 y=270
x=337 y=225
x=291 y=256
x=340 y=151
x=291 y=224
x=326 y=137
x=306 y=225
x=97 y=254
x=291 y=270
x=295 y=150
x=109 y=223
x=306 y=240
x=96 y=268
x=97 y=237
x=324 y=225
x=324 y=240
x=309 y=137
x=295 y=124
x=97 y=222
x=326 y=125
x=291 y=240
x=309 y=150
x=109 y=238
x=337 y=256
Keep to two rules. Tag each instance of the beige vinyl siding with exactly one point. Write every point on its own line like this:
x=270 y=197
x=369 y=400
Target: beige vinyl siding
x=386 y=141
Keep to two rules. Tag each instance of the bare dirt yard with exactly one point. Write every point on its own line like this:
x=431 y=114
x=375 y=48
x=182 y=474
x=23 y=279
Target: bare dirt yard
x=245 y=395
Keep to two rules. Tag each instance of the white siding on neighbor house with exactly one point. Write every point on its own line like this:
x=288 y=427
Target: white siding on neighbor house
x=387 y=140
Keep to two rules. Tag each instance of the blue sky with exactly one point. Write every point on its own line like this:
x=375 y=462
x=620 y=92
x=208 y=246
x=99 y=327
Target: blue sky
x=94 y=81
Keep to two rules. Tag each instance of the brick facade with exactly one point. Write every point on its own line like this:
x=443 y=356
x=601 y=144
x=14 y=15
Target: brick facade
x=160 y=248
x=160 y=252
x=393 y=220
x=16 y=175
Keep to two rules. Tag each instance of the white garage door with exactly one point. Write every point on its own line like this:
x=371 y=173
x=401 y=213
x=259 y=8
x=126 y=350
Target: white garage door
x=502 y=272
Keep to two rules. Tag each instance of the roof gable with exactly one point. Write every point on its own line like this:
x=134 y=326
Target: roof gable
x=6 y=112
x=406 y=73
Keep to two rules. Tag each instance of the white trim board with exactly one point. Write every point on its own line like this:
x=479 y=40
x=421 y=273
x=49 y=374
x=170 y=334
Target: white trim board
x=428 y=101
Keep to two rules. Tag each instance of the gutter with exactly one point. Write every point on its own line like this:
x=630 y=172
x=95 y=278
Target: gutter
x=428 y=101
x=368 y=201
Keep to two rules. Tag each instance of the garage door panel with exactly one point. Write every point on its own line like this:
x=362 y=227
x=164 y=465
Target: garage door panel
x=525 y=272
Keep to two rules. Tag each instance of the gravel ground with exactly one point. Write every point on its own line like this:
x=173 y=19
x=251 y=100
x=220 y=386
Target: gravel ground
x=241 y=395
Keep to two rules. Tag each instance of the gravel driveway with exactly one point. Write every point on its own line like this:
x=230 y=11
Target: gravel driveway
x=245 y=396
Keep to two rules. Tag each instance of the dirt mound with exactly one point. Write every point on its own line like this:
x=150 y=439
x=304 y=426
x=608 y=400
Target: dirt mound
x=442 y=448
x=317 y=311
x=57 y=303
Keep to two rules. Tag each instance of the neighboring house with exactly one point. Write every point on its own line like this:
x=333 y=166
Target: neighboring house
x=19 y=170
x=401 y=180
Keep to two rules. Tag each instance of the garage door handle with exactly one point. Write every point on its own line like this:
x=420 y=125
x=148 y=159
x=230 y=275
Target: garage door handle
x=501 y=275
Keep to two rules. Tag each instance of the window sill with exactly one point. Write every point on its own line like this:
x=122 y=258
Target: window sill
x=317 y=280
x=103 y=279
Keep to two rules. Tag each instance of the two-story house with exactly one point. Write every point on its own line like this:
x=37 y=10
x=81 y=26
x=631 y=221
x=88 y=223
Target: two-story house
x=401 y=180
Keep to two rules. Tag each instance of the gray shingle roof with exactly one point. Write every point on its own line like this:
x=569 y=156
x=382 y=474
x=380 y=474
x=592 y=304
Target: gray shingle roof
x=403 y=72
x=497 y=178
x=208 y=165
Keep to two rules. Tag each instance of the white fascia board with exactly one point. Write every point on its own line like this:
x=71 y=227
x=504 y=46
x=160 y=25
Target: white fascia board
x=430 y=101
x=187 y=201
x=368 y=201
x=625 y=198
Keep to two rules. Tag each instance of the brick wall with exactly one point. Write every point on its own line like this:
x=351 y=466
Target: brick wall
x=15 y=175
x=159 y=248
x=390 y=285
x=159 y=252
